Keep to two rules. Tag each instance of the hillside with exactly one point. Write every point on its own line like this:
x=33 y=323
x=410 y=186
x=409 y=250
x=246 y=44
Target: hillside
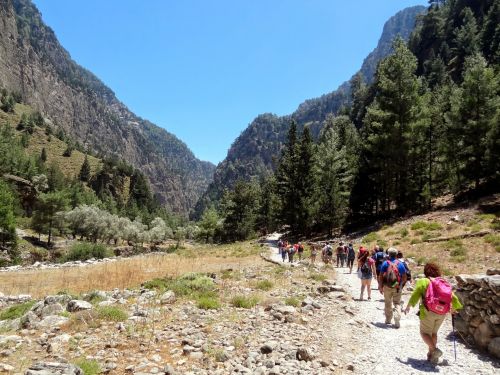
x=34 y=64
x=254 y=153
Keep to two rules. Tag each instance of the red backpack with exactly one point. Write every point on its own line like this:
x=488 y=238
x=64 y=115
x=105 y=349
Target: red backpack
x=392 y=277
x=438 y=296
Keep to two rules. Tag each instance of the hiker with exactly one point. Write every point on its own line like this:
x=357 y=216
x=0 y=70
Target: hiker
x=284 y=252
x=390 y=281
x=327 y=253
x=314 y=252
x=366 y=266
x=340 y=254
x=280 y=246
x=300 y=250
x=351 y=255
x=399 y=257
x=436 y=300
x=379 y=258
x=291 y=253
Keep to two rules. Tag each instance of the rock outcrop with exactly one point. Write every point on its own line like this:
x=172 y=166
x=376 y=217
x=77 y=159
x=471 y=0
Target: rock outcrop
x=479 y=321
x=35 y=65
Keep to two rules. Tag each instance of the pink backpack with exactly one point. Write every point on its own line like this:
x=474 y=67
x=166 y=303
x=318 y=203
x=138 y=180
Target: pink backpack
x=438 y=296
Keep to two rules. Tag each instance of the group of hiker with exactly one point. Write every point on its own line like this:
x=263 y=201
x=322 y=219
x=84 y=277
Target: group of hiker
x=392 y=272
x=287 y=250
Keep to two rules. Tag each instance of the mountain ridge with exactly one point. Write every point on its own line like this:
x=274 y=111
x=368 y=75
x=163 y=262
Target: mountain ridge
x=33 y=62
x=254 y=152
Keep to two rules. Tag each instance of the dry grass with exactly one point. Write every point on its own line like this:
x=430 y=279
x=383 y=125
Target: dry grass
x=469 y=255
x=124 y=273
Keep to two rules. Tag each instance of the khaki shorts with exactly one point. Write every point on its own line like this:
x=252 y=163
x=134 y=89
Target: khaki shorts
x=431 y=322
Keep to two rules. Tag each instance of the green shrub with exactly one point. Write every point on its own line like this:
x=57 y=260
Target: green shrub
x=111 y=313
x=495 y=224
x=421 y=261
x=94 y=297
x=208 y=303
x=292 y=301
x=87 y=250
x=493 y=239
x=16 y=311
x=424 y=225
x=317 y=276
x=193 y=285
x=89 y=367
x=404 y=232
x=245 y=302
x=415 y=241
x=264 y=285
x=395 y=243
x=371 y=237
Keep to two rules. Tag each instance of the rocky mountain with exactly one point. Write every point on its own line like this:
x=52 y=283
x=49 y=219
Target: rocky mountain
x=34 y=64
x=255 y=152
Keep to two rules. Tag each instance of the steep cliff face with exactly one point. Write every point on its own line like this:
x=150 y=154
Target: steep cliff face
x=255 y=152
x=33 y=63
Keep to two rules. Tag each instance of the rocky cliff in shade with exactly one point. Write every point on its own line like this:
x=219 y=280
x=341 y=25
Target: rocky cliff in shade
x=33 y=63
x=255 y=152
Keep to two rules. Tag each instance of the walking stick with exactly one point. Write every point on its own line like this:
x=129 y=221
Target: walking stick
x=454 y=335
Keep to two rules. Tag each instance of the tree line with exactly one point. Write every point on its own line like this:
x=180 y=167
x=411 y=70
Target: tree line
x=428 y=125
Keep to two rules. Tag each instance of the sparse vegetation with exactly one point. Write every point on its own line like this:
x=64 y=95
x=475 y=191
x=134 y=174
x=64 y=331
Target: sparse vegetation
x=265 y=285
x=87 y=250
x=208 y=303
x=317 y=276
x=292 y=301
x=425 y=225
x=112 y=313
x=16 y=311
x=371 y=237
x=89 y=367
x=493 y=239
x=245 y=302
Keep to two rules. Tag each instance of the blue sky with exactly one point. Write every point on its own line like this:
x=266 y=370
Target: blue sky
x=204 y=69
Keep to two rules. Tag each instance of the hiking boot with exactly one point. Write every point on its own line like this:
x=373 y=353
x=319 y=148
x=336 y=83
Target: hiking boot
x=397 y=325
x=435 y=356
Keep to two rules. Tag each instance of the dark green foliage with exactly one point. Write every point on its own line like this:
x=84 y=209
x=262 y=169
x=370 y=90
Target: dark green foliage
x=209 y=224
x=84 y=174
x=240 y=208
x=16 y=311
x=7 y=103
x=87 y=250
x=69 y=150
x=43 y=155
x=8 y=235
x=45 y=216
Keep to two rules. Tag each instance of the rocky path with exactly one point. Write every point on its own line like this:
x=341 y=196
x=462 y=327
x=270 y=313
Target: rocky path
x=385 y=348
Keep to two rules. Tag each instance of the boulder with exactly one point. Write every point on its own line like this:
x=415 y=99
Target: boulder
x=168 y=297
x=304 y=354
x=54 y=368
x=494 y=347
x=52 y=321
x=78 y=305
x=52 y=309
x=29 y=320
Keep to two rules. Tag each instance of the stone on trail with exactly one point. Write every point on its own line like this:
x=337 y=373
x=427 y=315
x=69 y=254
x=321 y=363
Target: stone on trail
x=168 y=297
x=494 y=347
x=54 y=368
x=304 y=354
x=78 y=305
x=52 y=321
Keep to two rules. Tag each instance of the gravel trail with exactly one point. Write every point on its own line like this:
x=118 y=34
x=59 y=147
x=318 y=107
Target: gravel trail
x=388 y=348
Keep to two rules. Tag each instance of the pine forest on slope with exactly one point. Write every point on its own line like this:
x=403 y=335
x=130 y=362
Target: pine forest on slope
x=34 y=64
x=254 y=154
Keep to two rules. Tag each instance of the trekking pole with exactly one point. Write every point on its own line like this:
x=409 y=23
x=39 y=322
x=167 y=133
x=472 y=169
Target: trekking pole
x=454 y=335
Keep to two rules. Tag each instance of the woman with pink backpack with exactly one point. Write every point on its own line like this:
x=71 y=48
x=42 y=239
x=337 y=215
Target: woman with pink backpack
x=436 y=300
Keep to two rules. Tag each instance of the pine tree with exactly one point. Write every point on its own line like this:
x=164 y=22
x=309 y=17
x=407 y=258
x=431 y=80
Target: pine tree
x=336 y=165
x=286 y=181
x=240 y=208
x=466 y=42
x=305 y=182
x=44 y=218
x=388 y=128
x=7 y=217
x=43 y=155
x=84 y=174
x=209 y=224
x=475 y=105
